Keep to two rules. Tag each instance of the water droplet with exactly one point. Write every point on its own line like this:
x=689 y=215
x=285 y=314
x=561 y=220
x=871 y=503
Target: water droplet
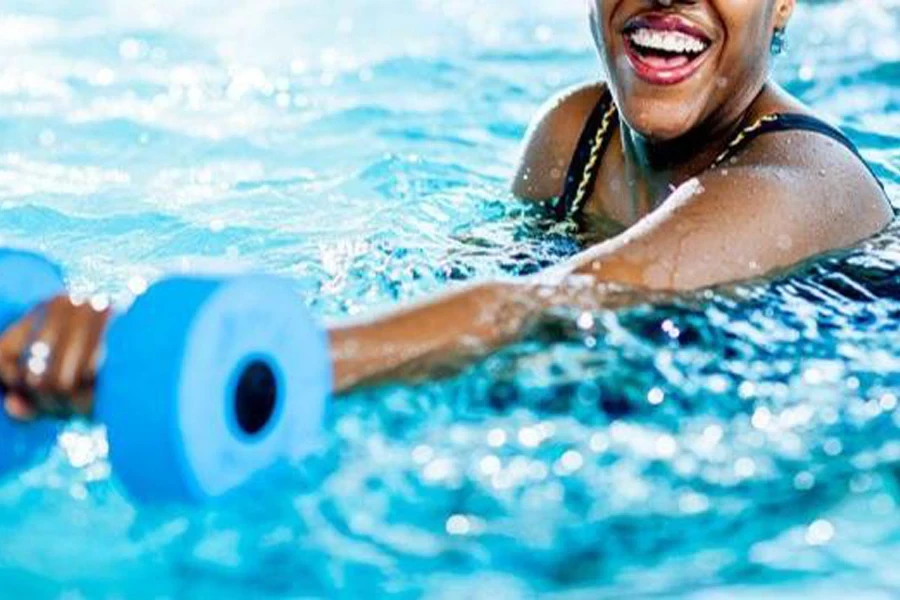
x=99 y=302
x=813 y=376
x=806 y=73
x=832 y=447
x=599 y=443
x=761 y=418
x=458 y=525
x=671 y=329
x=490 y=465
x=137 y=285
x=713 y=434
x=568 y=463
x=666 y=446
x=438 y=469
x=656 y=396
x=103 y=77
x=746 y=390
x=718 y=384
x=819 y=532
x=691 y=503
x=585 y=321
x=745 y=467
x=804 y=480
x=496 y=438
x=529 y=437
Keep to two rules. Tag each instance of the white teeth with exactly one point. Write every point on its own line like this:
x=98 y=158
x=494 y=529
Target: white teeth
x=668 y=41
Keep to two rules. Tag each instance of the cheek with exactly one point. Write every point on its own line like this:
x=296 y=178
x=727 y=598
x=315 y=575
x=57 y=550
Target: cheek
x=599 y=20
x=745 y=56
x=748 y=27
x=606 y=37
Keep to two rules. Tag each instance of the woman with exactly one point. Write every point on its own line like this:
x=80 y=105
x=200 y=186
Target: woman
x=701 y=170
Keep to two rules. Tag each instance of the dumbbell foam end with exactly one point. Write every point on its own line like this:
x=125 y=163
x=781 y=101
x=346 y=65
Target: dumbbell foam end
x=207 y=382
x=26 y=279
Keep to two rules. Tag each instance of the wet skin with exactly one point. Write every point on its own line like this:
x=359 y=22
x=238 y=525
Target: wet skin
x=786 y=197
x=668 y=133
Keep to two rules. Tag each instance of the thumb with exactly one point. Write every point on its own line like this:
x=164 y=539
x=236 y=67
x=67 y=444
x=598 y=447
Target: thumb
x=18 y=407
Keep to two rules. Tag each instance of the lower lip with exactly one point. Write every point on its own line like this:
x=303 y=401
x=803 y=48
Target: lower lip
x=658 y=74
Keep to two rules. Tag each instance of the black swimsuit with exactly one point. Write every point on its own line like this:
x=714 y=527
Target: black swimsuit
x=599 y=129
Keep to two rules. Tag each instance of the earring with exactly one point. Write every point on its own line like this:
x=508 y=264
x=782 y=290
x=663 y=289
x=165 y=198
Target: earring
x=779 y=42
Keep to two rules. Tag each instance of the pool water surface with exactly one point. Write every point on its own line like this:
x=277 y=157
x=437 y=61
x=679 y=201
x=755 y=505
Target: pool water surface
x=736 y=443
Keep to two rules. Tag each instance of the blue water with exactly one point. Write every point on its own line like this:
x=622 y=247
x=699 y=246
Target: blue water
x=741 y=443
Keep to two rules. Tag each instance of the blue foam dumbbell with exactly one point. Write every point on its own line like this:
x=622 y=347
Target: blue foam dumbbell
x=205 y=383
x=208 y=381
x=26 y=279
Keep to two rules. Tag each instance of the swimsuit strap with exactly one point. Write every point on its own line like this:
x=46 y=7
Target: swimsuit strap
x=595 y=138
x=582 y=174
x=789 y=122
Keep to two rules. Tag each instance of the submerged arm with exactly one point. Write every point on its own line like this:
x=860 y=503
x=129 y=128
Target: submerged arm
x=443 y=334
x=722 y=227
x=439 y=334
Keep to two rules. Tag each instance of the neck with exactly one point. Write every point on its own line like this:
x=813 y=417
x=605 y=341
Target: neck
x=686 y=155
x=656 y=167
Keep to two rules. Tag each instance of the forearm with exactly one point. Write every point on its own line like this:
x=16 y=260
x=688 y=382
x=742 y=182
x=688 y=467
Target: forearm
x=437 y=336
x=444 y=334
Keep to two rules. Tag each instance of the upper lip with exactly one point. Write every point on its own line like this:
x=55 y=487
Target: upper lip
x=666 y=22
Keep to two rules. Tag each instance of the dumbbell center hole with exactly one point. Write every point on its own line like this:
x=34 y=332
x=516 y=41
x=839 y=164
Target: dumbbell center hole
x=255 y=397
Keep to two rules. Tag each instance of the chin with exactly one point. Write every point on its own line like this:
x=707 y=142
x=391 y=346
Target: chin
x=660 y=121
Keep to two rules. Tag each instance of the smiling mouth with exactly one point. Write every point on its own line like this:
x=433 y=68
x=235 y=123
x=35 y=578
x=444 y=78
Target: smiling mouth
x=664 y=50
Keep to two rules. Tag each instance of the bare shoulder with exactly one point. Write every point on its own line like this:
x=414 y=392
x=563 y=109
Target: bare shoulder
x=551 y=139
x=786 y=198
x=810 y=175
x=810 y=180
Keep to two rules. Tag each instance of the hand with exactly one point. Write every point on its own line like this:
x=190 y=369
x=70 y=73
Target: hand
x=49 y=359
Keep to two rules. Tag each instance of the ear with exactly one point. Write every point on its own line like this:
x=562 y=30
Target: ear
x=783 y=11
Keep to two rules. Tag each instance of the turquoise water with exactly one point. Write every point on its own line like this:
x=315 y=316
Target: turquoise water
x=738 y=443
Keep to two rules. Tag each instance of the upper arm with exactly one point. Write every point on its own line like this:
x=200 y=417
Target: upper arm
x=551 y=140
x=744 y=221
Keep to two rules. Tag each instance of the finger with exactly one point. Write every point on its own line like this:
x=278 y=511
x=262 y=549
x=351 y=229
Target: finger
x=71 y=356
x=10 y=372
x=12 y=344
x=18 y=407
x=15 y=335
x=65 y=365
x=69 y=323
x=16 y=402
x=89 y=362
x=35 y=358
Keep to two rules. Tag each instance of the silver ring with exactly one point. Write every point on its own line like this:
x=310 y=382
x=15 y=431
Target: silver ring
x=36 y=357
